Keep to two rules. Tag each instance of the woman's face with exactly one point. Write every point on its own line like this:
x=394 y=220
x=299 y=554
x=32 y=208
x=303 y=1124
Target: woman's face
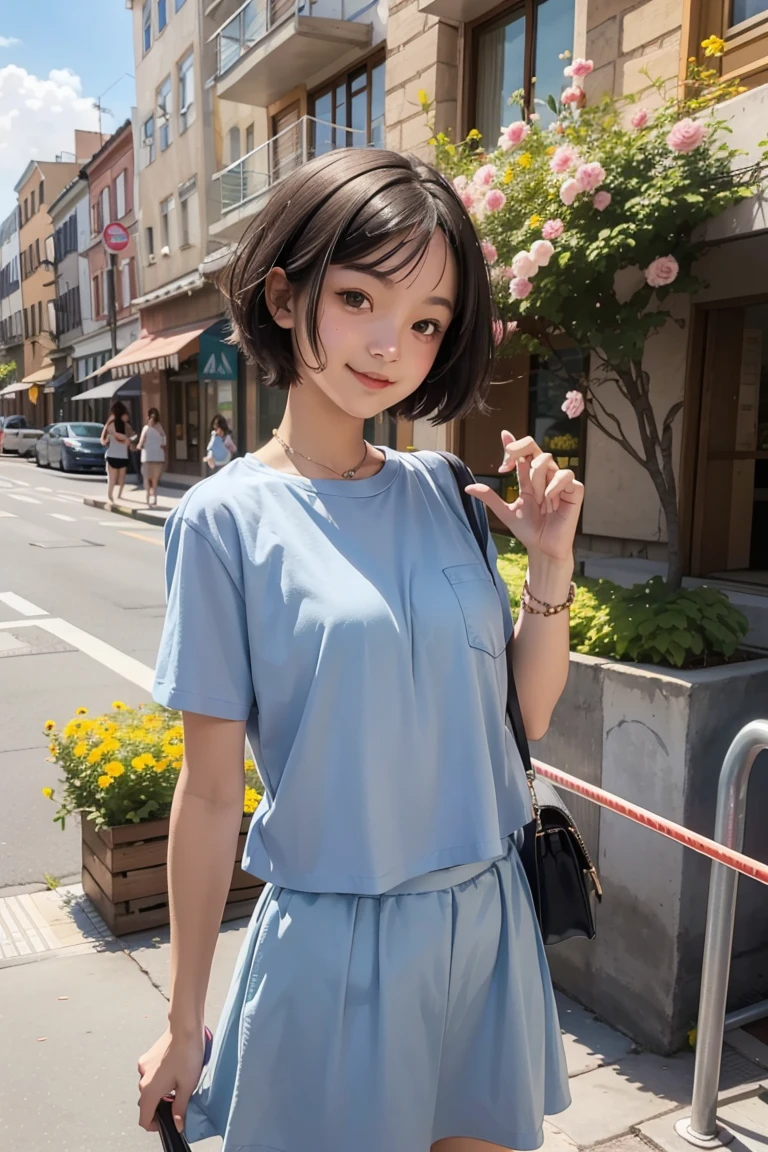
x=379 y=334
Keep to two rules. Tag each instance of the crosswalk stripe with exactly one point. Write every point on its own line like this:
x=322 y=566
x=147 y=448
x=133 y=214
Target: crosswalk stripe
x=10 y=515
x=19 y=604
x=23 y=499
x=61 y=516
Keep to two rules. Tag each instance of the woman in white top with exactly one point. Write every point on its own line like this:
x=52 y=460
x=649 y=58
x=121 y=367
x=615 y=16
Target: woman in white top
x=117 y=435
x=152 y=446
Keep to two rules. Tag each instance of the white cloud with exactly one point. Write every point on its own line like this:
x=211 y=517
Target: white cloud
x=9 y=41
x=38 y=118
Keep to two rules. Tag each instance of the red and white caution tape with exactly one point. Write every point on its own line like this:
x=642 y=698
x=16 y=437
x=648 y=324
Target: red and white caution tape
x=702 y=844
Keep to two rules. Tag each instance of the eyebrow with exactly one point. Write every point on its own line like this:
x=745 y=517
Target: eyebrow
x=384 y=278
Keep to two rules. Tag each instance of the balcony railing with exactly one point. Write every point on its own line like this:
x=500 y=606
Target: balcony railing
x=250 y=24
x=282 y=154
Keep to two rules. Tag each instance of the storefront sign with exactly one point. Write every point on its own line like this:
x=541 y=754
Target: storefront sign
x=217 y=359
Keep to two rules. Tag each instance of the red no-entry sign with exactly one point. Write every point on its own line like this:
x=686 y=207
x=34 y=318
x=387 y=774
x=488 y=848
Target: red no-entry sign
x=116 y=237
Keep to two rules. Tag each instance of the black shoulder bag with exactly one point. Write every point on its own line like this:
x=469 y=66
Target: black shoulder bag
x=555 y=858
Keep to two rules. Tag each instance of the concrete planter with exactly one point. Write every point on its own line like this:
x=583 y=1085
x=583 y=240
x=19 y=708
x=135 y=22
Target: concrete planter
x=657 y=738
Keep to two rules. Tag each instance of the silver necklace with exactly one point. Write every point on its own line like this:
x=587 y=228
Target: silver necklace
x=348 y=475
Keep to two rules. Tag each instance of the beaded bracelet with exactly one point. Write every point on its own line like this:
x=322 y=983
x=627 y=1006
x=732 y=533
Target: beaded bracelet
x=546 y=609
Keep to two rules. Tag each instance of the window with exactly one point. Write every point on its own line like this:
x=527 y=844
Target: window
x=27 y=332
x=96 y=295
x=164 y=109
x=41 y=194
x=162 y=15
x=166 y=208
x=513 y=53
x=249 y=139
x=179 y=5
x=742 y=10
x=125 y=284
x=120 y=196
x=187 y=207
x=146 y=26
x=26 y=210
x=148 y=140
x=40 y=316
x=32 y=325
x=23 y=265
x=37 y=251
x=31 y=259
x=32 y=202
x=233 y=139
x=547 y=423
x=353 y=101
x=186 y=91
x=149 y=242
x=53 y=327
x=96 y=218
x=106 y=210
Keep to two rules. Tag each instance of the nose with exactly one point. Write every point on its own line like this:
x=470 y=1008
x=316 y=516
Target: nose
x=384 y=345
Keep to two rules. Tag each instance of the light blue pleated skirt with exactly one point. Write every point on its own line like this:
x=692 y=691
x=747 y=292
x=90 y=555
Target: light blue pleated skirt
x=383 y=1024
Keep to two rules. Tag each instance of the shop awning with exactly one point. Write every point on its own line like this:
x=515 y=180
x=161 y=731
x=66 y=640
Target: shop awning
x=157 y=351
x=11 y=390
x=60 y=381
x=43 y=376
x=110 y=388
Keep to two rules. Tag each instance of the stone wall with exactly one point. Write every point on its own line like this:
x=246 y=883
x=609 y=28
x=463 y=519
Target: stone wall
x=624 y=38
x=422 y=52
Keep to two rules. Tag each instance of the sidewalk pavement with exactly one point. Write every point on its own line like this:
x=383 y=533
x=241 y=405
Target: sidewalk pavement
x=134 y=503
x=78 y=1007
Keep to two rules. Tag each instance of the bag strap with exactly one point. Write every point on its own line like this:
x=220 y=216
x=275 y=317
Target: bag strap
x=481 y=532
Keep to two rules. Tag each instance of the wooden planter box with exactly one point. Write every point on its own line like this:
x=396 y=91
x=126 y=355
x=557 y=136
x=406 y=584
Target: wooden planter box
x=125 y=876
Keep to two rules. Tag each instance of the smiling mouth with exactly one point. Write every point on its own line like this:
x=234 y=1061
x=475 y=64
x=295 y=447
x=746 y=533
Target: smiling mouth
x=372 y=381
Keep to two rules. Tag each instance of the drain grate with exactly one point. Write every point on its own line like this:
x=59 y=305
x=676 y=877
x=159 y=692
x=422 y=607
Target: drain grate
x=65 y=544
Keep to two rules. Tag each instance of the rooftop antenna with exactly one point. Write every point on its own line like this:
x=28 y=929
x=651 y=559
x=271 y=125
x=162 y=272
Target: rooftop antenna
x=97 y=104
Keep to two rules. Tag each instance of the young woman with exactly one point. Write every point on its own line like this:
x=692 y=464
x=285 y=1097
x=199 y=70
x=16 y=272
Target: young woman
x=392 y=992
x=221 y=447
x=152 y=447
x=117 y=435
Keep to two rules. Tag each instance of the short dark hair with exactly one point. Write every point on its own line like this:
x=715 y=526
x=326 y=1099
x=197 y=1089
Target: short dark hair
x=339 y=209
x=153 y=413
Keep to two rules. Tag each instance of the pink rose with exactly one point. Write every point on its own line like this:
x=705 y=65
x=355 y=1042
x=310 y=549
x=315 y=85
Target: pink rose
x=572 y=95
x=686 y=135
x=513 y=135
x=569 y=191
x=579 y=68
x=662 y=271
x=467 y=198
x=489 y=252
x=519 y=288
x=601 y=200
x=460 y=183
x=573 y=405
x=552 y=229
x=507 y=273
x=494 y=200
x=501 y=330
x=524 y=265
x=484 y=176
x=564 y=158
x=639 y=119
x=590 y=176
x=542 y=252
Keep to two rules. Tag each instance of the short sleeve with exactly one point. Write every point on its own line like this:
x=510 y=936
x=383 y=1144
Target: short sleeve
x=204 y=660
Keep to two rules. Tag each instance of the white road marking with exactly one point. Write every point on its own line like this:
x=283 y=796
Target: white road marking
x=61 y=516
x=21 y=483
x=38 y=488
x=20 y=623
x=12 y=515
x=102 y=652
x=24 y=499
x=19 y=604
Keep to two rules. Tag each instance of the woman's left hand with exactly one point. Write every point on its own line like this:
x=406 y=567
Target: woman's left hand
x=545 y=515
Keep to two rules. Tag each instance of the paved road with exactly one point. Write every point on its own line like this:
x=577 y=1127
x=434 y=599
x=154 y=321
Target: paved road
x=81 y=610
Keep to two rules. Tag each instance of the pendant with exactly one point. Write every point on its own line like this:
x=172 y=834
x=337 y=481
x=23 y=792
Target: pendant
x=349 y=474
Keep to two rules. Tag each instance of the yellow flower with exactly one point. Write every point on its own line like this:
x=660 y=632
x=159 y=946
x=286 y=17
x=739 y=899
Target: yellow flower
x=96 y=754
x=48 y=793
x=105 y=781
x=81 y=711
x=525 y=159
x=161 y=766
x=450 y=149
x=49 y=726
x=422 y=96
x=249 y=765
x=432 y=141
x=111 y=744
x=713 y=46
x=551 y=150
x=508 y=176
x=71 y=729
x=691 y=59
x=118 y=706
x=80 y=748
x=152 y=723
x=143 y=761
x=176 y=732
x=52 y=748
x=114 y=769
x=250 y=801
x=473 y=134
x=535 y=220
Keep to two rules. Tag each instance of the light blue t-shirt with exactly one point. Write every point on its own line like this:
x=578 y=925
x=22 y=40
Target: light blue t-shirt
x=355 y=627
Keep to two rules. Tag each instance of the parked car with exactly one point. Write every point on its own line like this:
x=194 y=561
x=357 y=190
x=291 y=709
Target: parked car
x=73 y=447
x=19 y=436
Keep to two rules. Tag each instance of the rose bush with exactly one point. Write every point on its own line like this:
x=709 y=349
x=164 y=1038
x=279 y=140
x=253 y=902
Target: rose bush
x=611 y=188
x=122 y=767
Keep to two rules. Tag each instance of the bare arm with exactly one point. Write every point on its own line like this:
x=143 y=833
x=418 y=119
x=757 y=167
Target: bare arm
x=105 y=432
x=541 y=647
x=205 y=823
x=143 y=437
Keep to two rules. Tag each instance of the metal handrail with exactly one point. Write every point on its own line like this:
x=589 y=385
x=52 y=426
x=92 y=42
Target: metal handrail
x=700 y=1129
x=259 y=170
x=250 y=24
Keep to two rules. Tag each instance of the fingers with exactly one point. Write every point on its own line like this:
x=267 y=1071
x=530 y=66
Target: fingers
x=507 y=513
x=515 y=450
x=149 y=1099
x=179 y=1108
x=564 y=488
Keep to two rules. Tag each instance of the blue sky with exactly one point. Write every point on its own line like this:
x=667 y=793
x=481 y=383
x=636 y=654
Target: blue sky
x=41 y=43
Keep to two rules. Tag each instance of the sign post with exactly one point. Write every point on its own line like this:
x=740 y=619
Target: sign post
x=115 y=238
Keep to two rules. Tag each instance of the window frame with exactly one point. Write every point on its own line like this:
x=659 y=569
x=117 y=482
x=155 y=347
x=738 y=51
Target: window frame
x=105 y=203
x=348 y=75
x=96 y=294
x=185 y=80
x=164 y=92
x=32 y=202
x=146 y=27
x=149 y=240
x=151 y=136
x=120 y=194
x=166 y=207
x=186 y=192
x=162 y=5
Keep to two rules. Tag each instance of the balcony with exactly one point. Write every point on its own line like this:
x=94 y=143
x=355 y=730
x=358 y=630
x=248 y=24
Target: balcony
x=245 y=184
x=270 y=44
x=457 y=10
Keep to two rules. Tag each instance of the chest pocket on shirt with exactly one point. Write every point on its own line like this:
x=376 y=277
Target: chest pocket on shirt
x=479 y=602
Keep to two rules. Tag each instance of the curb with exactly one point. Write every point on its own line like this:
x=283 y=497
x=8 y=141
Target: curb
x=145 y=516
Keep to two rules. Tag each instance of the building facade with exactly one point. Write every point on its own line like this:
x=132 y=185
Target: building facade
x=71 y=305
x=11 y=329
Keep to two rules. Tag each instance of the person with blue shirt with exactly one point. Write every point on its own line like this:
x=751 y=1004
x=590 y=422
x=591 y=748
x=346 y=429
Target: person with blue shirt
x=392 y=993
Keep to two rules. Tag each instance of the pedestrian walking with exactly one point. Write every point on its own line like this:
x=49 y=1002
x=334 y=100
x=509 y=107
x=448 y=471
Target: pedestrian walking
x=152 y=443
x=392 y=993
x=117 y=434
x=221 y=447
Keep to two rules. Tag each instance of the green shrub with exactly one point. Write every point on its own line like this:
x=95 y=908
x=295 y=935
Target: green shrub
x=646 y=623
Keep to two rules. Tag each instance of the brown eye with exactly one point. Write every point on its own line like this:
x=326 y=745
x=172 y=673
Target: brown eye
x=427 y=327
x=354 y=299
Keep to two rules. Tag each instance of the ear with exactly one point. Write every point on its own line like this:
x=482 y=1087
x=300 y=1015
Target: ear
x=280 y=299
